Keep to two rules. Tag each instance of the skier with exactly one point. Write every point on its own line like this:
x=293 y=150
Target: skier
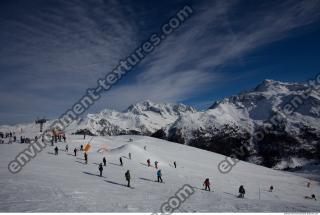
x=86 y=157
x=206 y=184
x=145 y=148
x=175 y=164
x=56 y=150
x=129 y=155
x=159 y=175
x=64 y=138
x=148 y=161
x=52 y=139
x=241 y=192
x=127 y=175
x=312 y=197
x=84 y=136
x=121 y=164
x=309 y=184
x=156 y=164
x=104 y=161
x=81 y=148
x=271 y=188
x=75 y=152
x=67 y=148
x=100 y=169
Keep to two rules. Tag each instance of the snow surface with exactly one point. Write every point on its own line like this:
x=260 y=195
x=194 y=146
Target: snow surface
x=64 y=183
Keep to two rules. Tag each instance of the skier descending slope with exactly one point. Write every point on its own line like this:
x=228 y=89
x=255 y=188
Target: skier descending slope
x=86 y=157
x=156 y=164
x=271 y=188
x=206 y=184
x=56 y=150
x=128 y=177
x=129 y=155
x=104 y=161
x=241 y=192
x=67 y=148
x=312 y=197
x=100 y=169
x=121 y=163
x=148 y=161
x=175 y=164
x=75 y=152
x=159 y=175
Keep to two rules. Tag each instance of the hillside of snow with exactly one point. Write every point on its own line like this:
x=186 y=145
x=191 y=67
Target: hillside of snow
x=290 y=135
x=63 y=183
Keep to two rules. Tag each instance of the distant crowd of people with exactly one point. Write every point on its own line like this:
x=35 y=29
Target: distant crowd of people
x=10 y=137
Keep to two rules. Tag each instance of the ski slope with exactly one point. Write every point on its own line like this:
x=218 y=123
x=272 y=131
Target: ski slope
x=64 y=183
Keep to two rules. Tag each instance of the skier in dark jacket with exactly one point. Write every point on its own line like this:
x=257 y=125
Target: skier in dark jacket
x=104 y=161
x=86 y=157
x=81 y=148
x=271 y=188
x=56 y=150
x=156 y=164
x=129 y=155
x=67 y=148
x=206 y=184
x=312 y=197
x=175 y=164
x=128 y=177
x=121 y=164
x=241 y=192
x=75 y=152
x=159 y=175
x=100 y=169
x=148 y=161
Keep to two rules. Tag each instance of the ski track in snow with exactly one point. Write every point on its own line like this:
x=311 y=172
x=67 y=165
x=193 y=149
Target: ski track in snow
x=63 y=183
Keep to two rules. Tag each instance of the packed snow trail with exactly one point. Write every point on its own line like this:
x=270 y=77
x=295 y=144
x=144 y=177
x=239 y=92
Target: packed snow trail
x=64 y=183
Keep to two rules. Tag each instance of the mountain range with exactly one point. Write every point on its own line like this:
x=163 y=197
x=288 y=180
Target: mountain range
x=254 y=126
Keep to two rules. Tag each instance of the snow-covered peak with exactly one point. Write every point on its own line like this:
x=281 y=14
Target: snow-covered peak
x=160 y=108
x=277 y=87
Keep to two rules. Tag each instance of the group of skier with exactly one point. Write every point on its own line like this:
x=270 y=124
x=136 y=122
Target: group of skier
x=206 y=183
x=10 y=136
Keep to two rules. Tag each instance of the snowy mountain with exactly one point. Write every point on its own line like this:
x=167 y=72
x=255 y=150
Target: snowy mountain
x=64 y=183
x=142 y=118
x=257 y=123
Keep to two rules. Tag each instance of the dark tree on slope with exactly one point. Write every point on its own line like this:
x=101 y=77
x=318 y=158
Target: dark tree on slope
x=159 y=134
x=276 y=146
x=229 y=141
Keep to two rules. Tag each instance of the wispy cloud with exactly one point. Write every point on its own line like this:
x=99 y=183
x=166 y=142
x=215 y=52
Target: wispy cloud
x=52 y=53
x=186 y=64
x=59 y=49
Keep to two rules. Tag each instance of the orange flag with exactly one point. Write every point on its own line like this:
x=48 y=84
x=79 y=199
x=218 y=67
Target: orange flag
x=87 y=147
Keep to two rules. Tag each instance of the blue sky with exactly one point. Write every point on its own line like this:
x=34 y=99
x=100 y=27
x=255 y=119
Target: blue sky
x=51 y=51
